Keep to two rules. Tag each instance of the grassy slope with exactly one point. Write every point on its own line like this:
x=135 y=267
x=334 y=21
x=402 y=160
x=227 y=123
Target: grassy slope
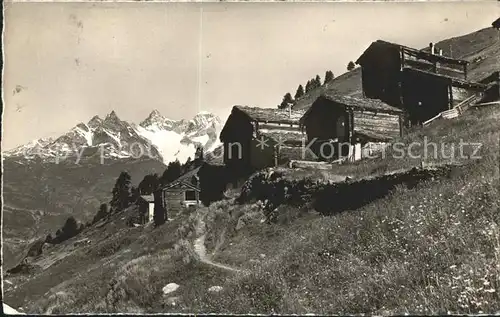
x=483 y=43
x=38 y=197
x=433 y=248
x=88 y=277
x=429 y=249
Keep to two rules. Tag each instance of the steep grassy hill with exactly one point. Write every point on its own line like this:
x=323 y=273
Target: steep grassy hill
x=38 y=196
x=481 y=48
x=428 y=248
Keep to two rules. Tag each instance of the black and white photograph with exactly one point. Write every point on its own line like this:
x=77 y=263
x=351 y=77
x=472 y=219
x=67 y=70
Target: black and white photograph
x=266 y=157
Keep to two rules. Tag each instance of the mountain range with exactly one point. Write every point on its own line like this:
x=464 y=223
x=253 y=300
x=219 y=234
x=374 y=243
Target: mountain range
x=49 y=179
x=112 y=138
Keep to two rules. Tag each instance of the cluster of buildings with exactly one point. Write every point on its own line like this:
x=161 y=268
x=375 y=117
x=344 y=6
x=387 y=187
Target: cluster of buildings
x=401 y=87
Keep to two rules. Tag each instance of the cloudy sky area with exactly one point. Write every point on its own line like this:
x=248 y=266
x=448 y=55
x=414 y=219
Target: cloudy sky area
x=76 y=60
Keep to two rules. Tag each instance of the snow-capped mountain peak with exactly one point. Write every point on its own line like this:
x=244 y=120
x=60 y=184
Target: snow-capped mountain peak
x=155 y=118
x=112 y=121
x=112 y=116
x=156 y=136
x=95 y=122
x=155 y=114
x=206 y=119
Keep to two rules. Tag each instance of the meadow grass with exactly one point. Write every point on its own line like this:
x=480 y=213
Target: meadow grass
x=433 y=248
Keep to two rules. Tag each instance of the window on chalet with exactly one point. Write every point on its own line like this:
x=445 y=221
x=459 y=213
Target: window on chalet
x=189 y=195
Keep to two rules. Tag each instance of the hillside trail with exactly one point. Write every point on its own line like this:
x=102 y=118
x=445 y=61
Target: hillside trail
x=201 y=251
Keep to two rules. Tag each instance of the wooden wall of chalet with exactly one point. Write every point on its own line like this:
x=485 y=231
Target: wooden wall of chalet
x=237 y=130
x=380 y=74
x=214 y=180
x=326 y=121
x=272 y=155
x=262 y=156
x=320 y=123
x=243 y=152
x=447 y=70
x=174 y=199
x=385 y=124
x=288 y=153
x=424 y=96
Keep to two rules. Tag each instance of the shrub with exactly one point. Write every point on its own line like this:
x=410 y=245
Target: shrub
x=101 y=213
x=69 y=230
x=36 y=248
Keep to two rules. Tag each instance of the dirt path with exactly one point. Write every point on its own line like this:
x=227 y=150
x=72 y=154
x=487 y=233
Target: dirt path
x=201 y=251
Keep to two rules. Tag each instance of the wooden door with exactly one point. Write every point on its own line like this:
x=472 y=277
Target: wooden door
x=342 y=127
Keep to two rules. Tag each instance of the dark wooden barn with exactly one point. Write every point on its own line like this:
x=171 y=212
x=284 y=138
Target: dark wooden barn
x=256 y=138
x=426 y=94
x=214 y=179
x=334 y=124
x=382 y=65
x=182 y=194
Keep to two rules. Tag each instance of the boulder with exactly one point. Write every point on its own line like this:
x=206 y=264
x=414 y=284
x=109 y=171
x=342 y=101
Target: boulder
x=170 y=287
x=215 y=289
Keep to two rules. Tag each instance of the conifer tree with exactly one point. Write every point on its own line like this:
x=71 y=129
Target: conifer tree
x=149 y=184
x=101 y=213
x=317 y=81
x=121 y=192
x=172 y=172
x=299 y=93
x=287 y=101
x=308 y=86
x=351 y=66
x=328 y=76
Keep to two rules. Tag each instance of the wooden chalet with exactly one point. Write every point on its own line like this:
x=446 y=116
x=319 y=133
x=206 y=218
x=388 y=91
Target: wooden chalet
x=335 y=123
x=422 y=82
x=382 y=64
x=426 y=94
x=256 y=138
x=182 y=193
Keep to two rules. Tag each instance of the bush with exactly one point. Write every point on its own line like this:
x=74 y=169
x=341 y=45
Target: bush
x=101 y=213
x=69 y=230
x=36 y=248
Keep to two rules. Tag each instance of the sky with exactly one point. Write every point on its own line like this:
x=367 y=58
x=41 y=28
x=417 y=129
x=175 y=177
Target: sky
x=66 y=62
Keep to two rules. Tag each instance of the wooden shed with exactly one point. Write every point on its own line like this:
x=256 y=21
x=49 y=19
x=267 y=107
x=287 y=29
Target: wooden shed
x=146 y=208
x=254 y=137
x=335 y=123
x=181 y=194
x=426 y=94
x=382 y=64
